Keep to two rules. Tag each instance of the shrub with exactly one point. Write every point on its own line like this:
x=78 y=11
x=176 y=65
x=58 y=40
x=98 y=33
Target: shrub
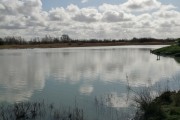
x=177 y=99
x=165 y=98
x=178 y=42
x=148 y=108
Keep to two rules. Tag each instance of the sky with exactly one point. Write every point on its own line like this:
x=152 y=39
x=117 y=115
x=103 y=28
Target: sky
x=87 y=19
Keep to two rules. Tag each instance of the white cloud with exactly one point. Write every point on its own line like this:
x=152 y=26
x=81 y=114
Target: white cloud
x=113 y=16
x=22 y=14
x=72 y=8
x=84 y=1
x=87 y=15
x=2 y=7
x=25 y=18
x=58 y=14
x=167 y=7
x=141 y=5
x=107 y=7
x=171 y=14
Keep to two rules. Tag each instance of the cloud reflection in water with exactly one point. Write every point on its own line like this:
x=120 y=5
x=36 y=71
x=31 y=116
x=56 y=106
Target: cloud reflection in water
x=23 y=72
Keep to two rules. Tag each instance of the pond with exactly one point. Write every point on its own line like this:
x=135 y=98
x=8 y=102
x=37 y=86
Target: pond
x=96 y=79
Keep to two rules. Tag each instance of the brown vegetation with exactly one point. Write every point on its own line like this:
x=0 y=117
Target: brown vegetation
x=66 y=41
x=78 y=44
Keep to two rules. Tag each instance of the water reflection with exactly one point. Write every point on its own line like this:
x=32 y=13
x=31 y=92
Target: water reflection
x=88 y=71
x=20 y=75
x=86 y=89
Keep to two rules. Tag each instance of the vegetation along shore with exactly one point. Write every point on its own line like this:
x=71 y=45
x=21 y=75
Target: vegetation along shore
x=164 y=107
x=66 y=41
x=173 y=50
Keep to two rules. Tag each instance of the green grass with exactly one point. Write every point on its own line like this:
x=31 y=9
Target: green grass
x=164 y=107
x=172 y=109
x=172 y=50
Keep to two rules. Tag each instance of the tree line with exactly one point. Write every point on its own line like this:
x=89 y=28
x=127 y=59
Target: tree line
x=11 y=40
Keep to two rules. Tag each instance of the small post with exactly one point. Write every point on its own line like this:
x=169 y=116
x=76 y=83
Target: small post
x=158 y=57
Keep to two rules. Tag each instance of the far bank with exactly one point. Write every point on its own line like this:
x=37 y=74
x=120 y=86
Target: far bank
x=80 y=44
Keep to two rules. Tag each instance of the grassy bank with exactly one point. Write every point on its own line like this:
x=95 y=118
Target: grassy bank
x=164 y=107
x=173 y=50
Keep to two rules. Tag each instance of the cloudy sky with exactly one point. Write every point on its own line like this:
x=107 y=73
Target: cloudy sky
x=90 y=18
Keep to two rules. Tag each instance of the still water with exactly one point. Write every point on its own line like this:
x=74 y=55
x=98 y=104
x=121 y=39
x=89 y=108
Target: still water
x=81 y=76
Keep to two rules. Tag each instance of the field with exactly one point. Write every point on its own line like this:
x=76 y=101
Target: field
x=173 y=50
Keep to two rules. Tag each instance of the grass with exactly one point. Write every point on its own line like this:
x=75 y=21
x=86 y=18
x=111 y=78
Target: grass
x=164 y=107
x=148 y=109
x=173 y=50
x=38 y=111
x=43 y=111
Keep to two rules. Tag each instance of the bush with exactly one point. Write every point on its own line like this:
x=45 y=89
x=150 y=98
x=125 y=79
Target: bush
x=178 y=42
x=148 y=108
x=165 y=98
x=177 y=99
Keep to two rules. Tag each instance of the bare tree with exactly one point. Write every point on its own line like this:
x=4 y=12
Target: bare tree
x=65 y=38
